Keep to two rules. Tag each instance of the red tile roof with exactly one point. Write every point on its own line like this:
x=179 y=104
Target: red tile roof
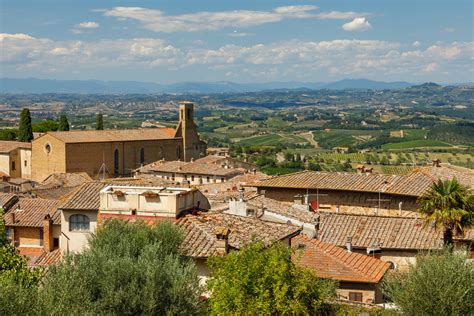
x=200 y=239
x=332 y=262
x=365 y=230
x=8 y=146
x=48 y=258
x=31 y=212
x=413 y=184
x=123 y=135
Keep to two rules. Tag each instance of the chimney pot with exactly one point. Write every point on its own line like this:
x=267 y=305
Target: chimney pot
x=349 y=244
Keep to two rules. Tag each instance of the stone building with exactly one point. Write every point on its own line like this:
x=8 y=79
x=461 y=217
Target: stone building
x=115 y=152
x=15 y=159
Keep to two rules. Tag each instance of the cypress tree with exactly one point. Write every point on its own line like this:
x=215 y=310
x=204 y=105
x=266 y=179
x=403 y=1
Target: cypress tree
x=25 y=132
x=63 y=123
x=99 y=122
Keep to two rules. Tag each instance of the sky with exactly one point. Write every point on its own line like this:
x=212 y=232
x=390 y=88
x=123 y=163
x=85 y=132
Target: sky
x=241 y=41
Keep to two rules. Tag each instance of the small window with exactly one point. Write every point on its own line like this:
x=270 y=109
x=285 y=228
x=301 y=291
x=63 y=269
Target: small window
x=355 y=296
x=13 y=165
x=26 y=163
x=47 y=148
x=208 y=179
x=79 y=222
x=222 y=179
x=192 y=178
x=55 y=242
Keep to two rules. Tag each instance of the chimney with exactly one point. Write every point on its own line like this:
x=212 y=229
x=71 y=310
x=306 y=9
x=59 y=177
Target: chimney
x=436 y=163
x=360 y=168
x=349 y=244
x=241 y=195
x=222 y=240
x=12 y=214
x=48 y=233
x=192 y=159
x=254 y=171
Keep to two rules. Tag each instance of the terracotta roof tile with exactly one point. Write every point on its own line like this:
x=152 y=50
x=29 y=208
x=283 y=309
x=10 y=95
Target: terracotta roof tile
x=199 y=166
x=48 y=258
x=31 y=212
x=332 y=262
x=200 y=239
x=8 y=146
x=413 y=184
x=92 y=136
x=6 y=199
x=392 y=232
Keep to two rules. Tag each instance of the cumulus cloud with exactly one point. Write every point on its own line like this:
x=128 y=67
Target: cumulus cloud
x=358 y=24
x=292 y=60
x=416 y=44
x=88 y=25
x=158 y=21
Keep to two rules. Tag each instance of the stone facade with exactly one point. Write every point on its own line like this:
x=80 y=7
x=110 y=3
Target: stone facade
x=117 y=156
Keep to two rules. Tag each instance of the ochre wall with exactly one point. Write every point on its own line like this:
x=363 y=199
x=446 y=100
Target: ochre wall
x=43 y=163
x=88 y=157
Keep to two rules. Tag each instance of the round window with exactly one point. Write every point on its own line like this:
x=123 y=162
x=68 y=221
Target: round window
x=47 y=148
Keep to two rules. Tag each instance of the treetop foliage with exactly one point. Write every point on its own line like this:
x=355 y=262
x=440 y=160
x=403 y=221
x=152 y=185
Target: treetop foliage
x=25 y=132
x=441 y=283
x=259 y=281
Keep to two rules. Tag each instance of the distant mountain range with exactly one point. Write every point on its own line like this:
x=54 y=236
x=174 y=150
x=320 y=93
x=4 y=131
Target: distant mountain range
x=33 y=85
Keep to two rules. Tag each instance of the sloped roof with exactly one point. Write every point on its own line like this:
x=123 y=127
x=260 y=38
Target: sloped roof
x=193 y=167
x=7 y=198
x=48 y=258
x=392 y=232
x=30 y=212
x=413 y=184
x=200 y=239
x=332 y=262
x=69 y=179
x=464 y=175
x=271 y=205
x=7 y=146
x=122 y=135
x=86 y=197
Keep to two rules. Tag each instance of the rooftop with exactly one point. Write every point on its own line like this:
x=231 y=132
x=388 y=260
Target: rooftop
x=6 y=199
x=413 y=184
x=8 y=146
x=47 y=258
x=30 y=212
x=122 y=135
x=200 y=239
x=332 y=262
x=208 y=165
x=367 y=231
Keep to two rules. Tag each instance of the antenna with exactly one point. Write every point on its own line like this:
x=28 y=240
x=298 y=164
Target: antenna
x=102 y=169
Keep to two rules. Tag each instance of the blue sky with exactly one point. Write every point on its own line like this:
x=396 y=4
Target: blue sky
x=241 y=41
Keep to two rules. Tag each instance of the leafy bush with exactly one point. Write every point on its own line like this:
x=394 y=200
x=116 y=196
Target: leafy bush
x=259 y=281
x=441 y=283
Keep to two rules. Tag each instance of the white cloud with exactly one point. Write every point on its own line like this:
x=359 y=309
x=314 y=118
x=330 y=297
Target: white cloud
x=358 y=24
x=23 y=54
x=158 y=21
x=17 y=36
x=416 y=44
x=88 y=25
x=240 y=34
x=338 y=15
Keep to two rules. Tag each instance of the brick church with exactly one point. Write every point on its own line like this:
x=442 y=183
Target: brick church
x=115 y=152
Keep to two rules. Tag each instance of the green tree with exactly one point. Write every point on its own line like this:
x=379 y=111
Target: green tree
x=441 y=283
x=450 y=206
x=45 y=126
x=3 y=233
x=129 y=269
x=63 y=123
x=99 y=122
x=25 y=133
x=259 y=281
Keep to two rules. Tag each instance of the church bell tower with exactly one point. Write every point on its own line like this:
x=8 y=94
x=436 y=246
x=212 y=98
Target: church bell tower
x=193 y=147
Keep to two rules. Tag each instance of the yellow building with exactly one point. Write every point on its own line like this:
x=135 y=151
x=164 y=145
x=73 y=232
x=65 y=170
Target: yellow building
x=115 y=152
x=15 y=159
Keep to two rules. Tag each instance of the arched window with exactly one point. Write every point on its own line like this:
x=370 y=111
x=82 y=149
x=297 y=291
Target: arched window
x=116 y=162
x=142 y=156
x=79 y=223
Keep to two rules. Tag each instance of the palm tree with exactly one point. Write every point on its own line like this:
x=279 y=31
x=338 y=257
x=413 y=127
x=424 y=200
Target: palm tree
x=448 y=205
